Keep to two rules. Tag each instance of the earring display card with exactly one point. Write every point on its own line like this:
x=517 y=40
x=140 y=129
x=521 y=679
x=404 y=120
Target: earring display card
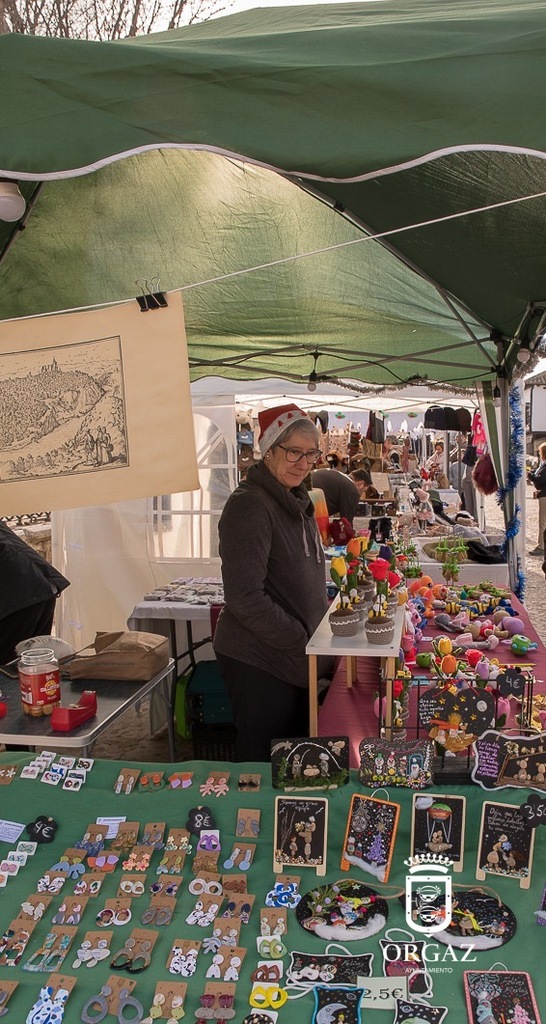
x=301 y=832
x=370 y=835
x=310 y=763
x=505 y=844
x=437 y=826
x=510 y=761
x=500 y=996
x=249 y=783
x=184 y=951
x=169 y=990
x=8 y=772
x=248 y=823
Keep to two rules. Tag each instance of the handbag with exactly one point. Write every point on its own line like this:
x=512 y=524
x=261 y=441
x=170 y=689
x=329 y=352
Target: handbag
x=125 y=655
x=341 y=531
x=470 y=456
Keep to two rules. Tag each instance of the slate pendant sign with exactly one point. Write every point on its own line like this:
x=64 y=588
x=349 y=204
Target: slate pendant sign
x=456 y=719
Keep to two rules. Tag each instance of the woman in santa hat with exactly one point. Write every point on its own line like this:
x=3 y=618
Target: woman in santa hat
x=274 y=585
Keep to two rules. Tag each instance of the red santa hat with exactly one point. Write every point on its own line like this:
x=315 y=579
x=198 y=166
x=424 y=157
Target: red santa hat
x=273 y=423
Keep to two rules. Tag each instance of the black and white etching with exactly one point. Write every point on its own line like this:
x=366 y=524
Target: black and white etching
x=63 y=411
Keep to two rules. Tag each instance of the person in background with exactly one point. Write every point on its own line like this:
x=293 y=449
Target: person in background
x=274 y=585
x=341 y=494
x=28 y=591
x=537 y=478
x=364 y=485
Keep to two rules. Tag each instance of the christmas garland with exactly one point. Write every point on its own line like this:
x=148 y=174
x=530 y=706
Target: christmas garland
x=513 y=477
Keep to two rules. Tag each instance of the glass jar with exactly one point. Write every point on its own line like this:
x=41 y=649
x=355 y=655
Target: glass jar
x=40 y=681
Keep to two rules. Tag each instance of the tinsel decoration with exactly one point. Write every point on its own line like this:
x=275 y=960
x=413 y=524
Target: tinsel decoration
x=513 y=476
x=521 y=582
x=515 y=458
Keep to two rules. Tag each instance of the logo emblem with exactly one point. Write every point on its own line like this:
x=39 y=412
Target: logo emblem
x=428 y=893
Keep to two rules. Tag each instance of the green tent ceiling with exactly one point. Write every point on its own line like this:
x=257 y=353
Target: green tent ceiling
x=245 y=141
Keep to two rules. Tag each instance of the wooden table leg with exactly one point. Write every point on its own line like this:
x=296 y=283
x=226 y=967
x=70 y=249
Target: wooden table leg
x=313 y=695
x=389 y=665
x=350 y=671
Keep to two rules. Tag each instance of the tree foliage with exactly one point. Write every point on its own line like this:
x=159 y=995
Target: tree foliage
x=103 y=19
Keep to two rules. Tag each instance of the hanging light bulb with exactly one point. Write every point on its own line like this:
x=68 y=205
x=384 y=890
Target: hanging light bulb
x=497 y=396
x=12 y=203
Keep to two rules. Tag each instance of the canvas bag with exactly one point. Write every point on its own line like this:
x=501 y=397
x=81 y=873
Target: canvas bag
x=125 y=655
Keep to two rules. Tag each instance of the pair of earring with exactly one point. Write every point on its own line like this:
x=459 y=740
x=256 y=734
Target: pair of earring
x=105 y=862
x=183 y=963
x=272 y=949
x=84 y=886
x=12 y=946
x=74 y=917
x=48 y=1008
x=201 y=916
x=268 y=996
x=243 y=864
x=209 y=841
x=133 y=958
x=131 y=887
x=198 y=886
x=91 y=955
x=108 y=916
x=48 y=884
x=158 y=915
x=137 y=861
x=153 y=838
x=167 y=866
x=159 y=887
x=101 y=1000
x=213 y=785
x=208 y=1011
x=150 y=782
x=176 y=1010
x=33 y=910
x=125 y=840
x=50 y=956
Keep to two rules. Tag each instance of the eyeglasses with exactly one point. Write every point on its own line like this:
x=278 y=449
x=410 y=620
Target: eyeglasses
x=294 y=454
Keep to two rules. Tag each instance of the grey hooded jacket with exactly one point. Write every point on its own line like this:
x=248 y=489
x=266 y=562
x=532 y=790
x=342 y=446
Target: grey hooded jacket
x=274 y=576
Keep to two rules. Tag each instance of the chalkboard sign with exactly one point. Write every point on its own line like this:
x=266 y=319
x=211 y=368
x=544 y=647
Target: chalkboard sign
x=301 y=829
x=505 y=845
x=455 y=720
x=437 y=826
x=500 y=996
x=370 y=835
x=510 y=761
x=316 y=762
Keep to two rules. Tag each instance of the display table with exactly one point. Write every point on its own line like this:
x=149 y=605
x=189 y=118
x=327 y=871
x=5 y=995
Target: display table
x=150 y=615
x=350 y=711
x=470 y=573
x=323 y=641
x=23 y=799
x=114 y=699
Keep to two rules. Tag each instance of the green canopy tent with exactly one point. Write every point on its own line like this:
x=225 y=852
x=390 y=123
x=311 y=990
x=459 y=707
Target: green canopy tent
x=355 y=190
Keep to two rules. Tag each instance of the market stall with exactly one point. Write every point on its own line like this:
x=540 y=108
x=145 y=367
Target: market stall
x=108 y=901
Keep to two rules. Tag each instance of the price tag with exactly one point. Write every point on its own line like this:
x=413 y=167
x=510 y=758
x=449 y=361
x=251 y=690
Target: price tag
x=382 y=993
x=534 y=810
